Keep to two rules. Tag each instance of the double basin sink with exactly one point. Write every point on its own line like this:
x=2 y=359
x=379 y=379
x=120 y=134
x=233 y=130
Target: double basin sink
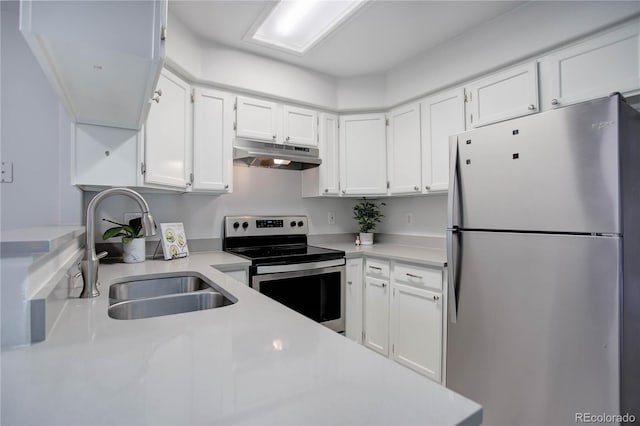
x=166 y=294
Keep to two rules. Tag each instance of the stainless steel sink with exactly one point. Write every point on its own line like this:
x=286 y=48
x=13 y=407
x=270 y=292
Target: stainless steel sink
x=143 y=289
x=167 y=305
x=165 y=295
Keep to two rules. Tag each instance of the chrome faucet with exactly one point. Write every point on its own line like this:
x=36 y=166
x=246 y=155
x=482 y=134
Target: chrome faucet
x=91 y=259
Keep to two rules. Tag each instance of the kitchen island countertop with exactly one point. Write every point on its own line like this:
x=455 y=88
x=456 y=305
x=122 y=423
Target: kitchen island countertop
x=253 y=362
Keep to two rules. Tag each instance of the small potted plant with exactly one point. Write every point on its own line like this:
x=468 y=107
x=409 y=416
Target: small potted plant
x=133 y=242
x=367 y=214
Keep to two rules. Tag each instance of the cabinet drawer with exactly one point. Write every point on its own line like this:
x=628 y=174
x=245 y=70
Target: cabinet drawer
x=418 y=276
x=377 y=268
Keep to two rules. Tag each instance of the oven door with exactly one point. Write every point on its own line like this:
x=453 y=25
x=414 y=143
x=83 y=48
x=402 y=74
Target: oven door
x=316 y=289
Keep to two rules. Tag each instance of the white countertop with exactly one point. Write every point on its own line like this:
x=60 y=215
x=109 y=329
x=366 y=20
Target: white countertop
x=254 y=362
x=413 y=254
x=43 y=239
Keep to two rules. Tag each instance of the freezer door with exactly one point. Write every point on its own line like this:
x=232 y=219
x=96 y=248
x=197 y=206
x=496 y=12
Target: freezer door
x=536 y=336
x=554 y=171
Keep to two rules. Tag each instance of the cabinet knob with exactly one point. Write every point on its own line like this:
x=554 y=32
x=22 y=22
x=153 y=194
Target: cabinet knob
x=273 y=137
x=287 y=139
x=349 y=282
x=158 y=92
x=428 y=188
x=226 y=187
x=383 y=285
x=344 y=192
x=532 y=107
x=436 y=297
x=555 y=102
x=416 y=188
x=326 y=190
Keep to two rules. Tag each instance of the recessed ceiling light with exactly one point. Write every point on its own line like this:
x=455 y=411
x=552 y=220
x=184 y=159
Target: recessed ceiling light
x=296 y=25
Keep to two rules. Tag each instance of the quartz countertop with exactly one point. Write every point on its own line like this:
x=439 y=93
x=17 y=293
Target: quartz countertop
x=253 y=362
x=43 y=239
x=420 y=255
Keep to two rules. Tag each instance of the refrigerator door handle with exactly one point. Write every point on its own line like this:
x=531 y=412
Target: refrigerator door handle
x=451 y=272
x=454 y=156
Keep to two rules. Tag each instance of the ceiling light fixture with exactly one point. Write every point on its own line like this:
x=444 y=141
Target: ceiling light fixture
x=296 y=25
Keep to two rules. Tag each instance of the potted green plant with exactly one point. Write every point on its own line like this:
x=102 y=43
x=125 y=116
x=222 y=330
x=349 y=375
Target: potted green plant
x=367 y=214
x=133 y=241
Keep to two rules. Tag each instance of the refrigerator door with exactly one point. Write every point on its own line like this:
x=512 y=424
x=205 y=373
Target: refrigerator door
x=555 y=171
x=536 y=337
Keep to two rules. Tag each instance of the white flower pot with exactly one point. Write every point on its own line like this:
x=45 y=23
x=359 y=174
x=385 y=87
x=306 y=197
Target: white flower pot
x=134 y=251
x=366 y=238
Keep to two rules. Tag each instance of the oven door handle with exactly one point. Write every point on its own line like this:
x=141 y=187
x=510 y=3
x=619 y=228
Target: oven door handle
x=292 y=267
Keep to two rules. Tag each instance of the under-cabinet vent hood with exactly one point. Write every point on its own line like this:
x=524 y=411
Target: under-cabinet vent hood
x=277 y=156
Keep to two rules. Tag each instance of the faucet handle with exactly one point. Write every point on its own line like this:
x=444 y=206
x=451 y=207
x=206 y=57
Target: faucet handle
x=101 y=255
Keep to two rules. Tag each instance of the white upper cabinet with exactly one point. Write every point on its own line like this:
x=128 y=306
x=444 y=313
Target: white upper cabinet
x=167 y=133
x=403 y=144
x=503 y=95
x=363 y=154
x=300 y=126
x=325 y=179
x=442 y=116
x=257 y=119
x=102 y=58
x=212 y=140
x=598 y=67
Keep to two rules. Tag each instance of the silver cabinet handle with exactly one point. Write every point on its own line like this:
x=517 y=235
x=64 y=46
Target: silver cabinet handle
x=416 y=188
x=427 y=187
x=273 y=137
x=287 y=139
x=376 y=268
x=414 y=276
x=226 y=187
x=384 y=285
x=349 y=282
x=532 y=107
x=554 y=102
x=326 y=190
x=436 y=297
x=344 y=192
x=158 y=92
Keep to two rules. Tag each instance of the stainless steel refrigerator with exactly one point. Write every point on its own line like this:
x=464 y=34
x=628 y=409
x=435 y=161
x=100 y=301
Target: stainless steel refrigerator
x=544 y=265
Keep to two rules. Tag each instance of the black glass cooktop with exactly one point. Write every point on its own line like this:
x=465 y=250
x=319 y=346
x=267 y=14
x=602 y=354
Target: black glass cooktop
x=284 y=254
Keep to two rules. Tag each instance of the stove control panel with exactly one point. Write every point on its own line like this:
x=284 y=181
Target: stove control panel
x=249 y=226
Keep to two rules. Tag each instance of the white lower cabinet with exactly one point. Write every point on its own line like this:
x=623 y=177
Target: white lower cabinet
x=403 y=313
x=353 y=300
x=416 y=329
x=376 y=314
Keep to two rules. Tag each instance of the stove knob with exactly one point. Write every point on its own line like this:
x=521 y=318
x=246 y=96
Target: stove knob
x=236 y=225
x=245 y=225
x=293 y=223
x=301 y=223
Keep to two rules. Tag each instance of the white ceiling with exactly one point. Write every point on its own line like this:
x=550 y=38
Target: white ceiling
x=379 y=37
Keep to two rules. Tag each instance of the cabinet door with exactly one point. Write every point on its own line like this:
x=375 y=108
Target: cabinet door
x=212 y=140
x=363 y=154
x=257 y=119
x=354 y=300
x=416 y=329
x=376 y=315
x=442 y=116
x=404 y=150
x=167 y=133
x=504 y=95
x=610 y=63
x=329 y=169
x=300 y=126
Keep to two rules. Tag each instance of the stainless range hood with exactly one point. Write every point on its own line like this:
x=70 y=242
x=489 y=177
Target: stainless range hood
x=275 y=156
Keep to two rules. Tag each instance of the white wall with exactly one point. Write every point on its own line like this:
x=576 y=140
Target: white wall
x=256 y=191
x=35 y=137
x=429 y=215
x=522 y=33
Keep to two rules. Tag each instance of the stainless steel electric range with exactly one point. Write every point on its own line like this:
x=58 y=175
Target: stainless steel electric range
x=307 y=279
